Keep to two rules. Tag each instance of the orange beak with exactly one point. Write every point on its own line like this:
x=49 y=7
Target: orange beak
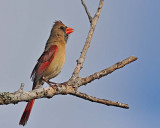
x=69 y=30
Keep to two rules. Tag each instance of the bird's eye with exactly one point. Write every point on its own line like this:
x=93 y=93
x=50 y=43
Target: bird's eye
x=62 y=27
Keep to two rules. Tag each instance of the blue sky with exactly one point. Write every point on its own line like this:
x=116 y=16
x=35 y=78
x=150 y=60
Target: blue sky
x=125 y=28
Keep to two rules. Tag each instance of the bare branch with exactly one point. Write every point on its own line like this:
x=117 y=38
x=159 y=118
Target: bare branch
x=71 y=86
x=89 y=15
x=8 y=98
x=19 y=96
x=107 y=71
x=96 y=16
x=81 y=60
x=101 y=101
x=68 y=87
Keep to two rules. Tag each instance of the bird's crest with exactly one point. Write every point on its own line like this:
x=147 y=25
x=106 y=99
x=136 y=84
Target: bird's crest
x=58 y=22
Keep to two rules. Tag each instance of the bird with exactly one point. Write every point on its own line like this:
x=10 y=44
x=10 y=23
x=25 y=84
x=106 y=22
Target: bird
x=50 y=63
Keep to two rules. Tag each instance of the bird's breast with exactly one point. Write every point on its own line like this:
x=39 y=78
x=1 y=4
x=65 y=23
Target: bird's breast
x=56 y=65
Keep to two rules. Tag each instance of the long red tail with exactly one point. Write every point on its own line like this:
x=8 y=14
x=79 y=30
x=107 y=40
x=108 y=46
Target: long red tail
x=26 y=112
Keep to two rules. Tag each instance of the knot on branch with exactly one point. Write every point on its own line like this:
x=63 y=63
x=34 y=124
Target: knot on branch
x=118 y=64
x=80 y=60
x=75 y=82
x=20 y=90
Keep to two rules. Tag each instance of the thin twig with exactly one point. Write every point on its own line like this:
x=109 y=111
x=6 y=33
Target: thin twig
x=20 y=89
x=89 y=15
x=97 y=14
x=97 y=100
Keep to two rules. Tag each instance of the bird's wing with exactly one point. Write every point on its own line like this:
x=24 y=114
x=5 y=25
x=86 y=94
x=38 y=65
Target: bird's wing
x=43 y=62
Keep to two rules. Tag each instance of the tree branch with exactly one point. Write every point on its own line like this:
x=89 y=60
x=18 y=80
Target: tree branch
x=96 y=16
x=19 y=96
x=81 y=60
x=86 y=9
x=107 y=71
x=65 y=88
x=97 y=100
x=71 y=86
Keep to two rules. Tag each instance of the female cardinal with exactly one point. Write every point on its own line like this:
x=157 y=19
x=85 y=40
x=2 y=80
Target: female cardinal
x=50 y=63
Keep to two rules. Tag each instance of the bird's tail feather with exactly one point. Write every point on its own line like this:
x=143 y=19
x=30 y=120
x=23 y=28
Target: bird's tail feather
x=26 y=112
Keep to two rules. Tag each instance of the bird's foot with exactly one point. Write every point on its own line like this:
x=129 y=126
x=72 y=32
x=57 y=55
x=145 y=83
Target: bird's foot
x=53 y=83
x=50 y=83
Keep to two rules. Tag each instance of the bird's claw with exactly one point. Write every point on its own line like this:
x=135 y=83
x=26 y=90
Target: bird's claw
x=50 y=83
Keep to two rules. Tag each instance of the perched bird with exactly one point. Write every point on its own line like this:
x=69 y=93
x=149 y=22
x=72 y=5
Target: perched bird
x=50 y=63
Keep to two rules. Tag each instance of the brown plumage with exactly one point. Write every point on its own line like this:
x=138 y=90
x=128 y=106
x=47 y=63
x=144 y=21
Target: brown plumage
x=50 y=63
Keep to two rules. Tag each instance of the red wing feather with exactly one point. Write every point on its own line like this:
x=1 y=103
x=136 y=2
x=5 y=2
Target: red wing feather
x=43 y=62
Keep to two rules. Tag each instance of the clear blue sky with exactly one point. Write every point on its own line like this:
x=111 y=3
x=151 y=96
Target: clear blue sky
x=125 y=28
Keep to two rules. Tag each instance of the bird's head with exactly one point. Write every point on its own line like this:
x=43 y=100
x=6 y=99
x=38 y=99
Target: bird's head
x=60 y=30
